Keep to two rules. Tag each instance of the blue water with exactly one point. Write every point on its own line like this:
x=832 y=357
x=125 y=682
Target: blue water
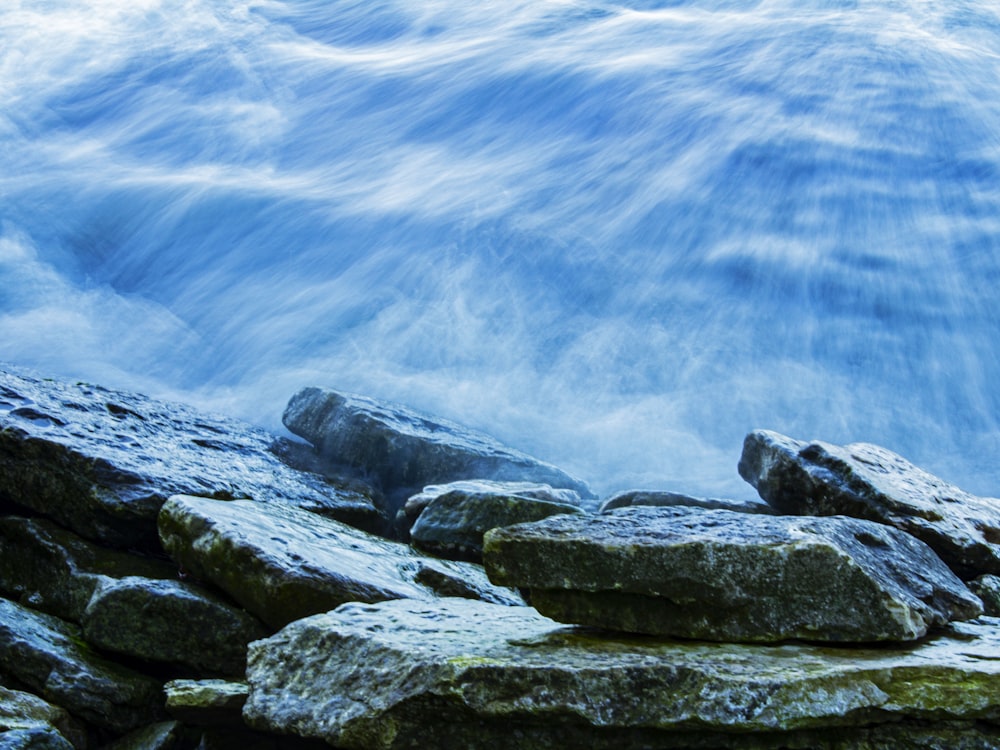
x=617 y=235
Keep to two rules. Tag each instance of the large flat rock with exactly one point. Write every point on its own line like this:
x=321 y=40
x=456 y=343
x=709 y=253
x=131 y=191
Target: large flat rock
x=455 y=673
x=282 y=563
x=406 y=450
x=868 y=481
x=725 y=575
x=101 y=462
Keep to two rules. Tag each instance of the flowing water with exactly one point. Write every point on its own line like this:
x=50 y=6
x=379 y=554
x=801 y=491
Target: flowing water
x=617 y=235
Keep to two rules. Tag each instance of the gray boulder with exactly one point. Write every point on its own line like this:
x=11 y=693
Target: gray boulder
x=102 y=462
x=661 y=498
x=452 y=525
x=51 y=658
x=25 y=711
x=868 y=481
x=728 y=576
x=170 y=621
x=282 y=563
x=987 y=588
x=405 y=450
x=33 y=738
x=467 y=674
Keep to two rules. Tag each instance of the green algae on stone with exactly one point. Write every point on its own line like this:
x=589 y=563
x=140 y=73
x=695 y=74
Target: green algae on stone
x=723 y=575
x=462 y=673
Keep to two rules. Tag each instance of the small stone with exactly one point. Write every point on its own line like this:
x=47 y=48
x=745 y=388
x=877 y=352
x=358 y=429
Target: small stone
x=207 y=702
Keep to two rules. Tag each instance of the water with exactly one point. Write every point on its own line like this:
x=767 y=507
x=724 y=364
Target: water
x=617 y=235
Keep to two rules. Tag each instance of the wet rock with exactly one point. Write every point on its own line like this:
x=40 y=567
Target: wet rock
x=467 y=674
x=102 y=462
x=170 y=621
x=660 y=498
x=51 y=569
x=163 y=735
x=282 y=563
x=415 y=504
x=207 y=702
x=452 y=525
x=868 y=481
x=49 y=656
x=406 y=451
x=722 y=575
x=24 y=711
x=987 y=588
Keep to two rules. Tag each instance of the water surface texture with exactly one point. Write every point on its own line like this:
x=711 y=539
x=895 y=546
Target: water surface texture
x=617 y=235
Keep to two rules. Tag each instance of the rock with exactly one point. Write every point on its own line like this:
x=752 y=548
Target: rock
x=722 y=575
x=867 y=481
x=24 y=711
x=660 y=498
x=456 y=673
x=282 y=563
x=452 y=525
x=405 y=450
x=50 y=657
x=33 y=738
x=51 y=569
x=102 y=462
x=170 y=621
x=207 y=702
x=987 y=588
x=163 y=735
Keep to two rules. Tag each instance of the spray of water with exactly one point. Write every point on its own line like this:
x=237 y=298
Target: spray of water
x=617 y=235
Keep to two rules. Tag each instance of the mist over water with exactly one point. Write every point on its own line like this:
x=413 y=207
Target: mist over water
x=616 y=235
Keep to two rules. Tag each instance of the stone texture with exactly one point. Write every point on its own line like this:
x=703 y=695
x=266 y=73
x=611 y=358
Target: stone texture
x=659 y=498
x=207 y=702
x=405 y=450
x=163 y=735
x=102 y=462
x=987 y=588
x=282 y=563
x=51 y=569
x=868 y=481
x=49 y=656
x=25 y=711
x=33 y=738
x=723 y=575
x=170 y=621
x=467 y=674
x=452 y=525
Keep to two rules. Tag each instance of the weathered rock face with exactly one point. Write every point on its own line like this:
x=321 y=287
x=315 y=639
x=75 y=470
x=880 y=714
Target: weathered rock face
x=102 y=462
x=867 y=481
x=282 y=563
x=468 y=674
x=658 y=498
x=406 y=450
x=50 y=657
x=722 y=575
x=452 y=525
x=987 y=588
x=170 y=621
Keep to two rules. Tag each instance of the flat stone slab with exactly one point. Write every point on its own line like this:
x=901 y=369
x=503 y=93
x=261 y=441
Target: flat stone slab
x=50 y=657
x=452 y=524
x=207 y=702
x=281 y=563
x=868 y=481
x=101 y=462
x=456 y=673
x=406 y=450
x=729 y=576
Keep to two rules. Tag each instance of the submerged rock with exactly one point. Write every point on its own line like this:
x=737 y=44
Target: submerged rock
x=868 y=481
x=659 y=498
x=102 y=462
x=452 y=525
x=468 y=674
x=405 y=450
x=282 y=563
x=722 y=575
x=49 y=656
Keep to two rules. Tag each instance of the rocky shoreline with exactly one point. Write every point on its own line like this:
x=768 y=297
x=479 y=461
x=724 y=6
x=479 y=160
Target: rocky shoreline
x=174 y=580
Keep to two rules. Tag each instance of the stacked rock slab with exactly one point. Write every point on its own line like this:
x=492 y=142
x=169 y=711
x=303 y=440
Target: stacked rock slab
x=868 y=481
x=450 y=674
x=405 y=450
x=729 y=576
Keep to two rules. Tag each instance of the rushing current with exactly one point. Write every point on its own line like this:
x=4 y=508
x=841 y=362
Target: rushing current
x=615 y=235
